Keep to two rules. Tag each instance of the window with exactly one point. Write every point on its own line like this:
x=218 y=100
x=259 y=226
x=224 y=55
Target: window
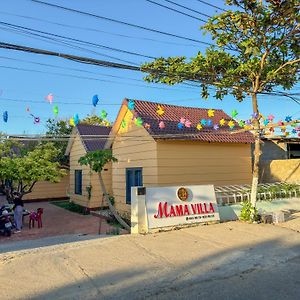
x=78 y=182
x=134 y=177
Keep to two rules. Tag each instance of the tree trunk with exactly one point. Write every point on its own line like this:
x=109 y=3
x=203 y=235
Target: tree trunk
x=257 y=152
x=111 y=207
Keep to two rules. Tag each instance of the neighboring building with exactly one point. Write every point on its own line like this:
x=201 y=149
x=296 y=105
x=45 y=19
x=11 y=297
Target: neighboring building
x=280 y=160
x=87 y=138
x=274 y=148
x=150 y=156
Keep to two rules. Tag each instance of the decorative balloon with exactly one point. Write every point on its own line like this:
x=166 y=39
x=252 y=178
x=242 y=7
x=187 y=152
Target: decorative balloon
x=36 y=120
x=49 y=98
x=123 y=124
x=138 y=121
x=71 y=122
x=234 y=113
x=76 y=119
x=103 y=114
x=182 y=120
x=209 y=122
x=222 y=122
x=5 y=116
x=55 y=110
x=95 y=100
x=180 y=125
x=199 y=126
x=188 y=123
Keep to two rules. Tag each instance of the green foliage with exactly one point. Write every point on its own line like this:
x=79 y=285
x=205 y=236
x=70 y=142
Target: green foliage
x=59 y=129
x=71 y=207
x=257 y=50
x=249 y=213
x=25 y=170
x=281 y=190
x=95 y=120
x=97 y=159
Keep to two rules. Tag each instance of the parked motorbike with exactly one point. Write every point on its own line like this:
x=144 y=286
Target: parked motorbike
x=6 y=225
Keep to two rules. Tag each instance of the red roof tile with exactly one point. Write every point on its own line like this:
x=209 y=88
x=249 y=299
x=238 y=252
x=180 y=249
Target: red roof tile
x=171 y=117
x=93 y=143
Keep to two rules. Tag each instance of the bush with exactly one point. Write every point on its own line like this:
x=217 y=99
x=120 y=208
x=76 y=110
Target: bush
x=249 y=213
x=72 y=207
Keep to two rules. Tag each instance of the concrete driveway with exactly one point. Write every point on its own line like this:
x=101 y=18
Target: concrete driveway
x=57 y=221
x=224 y=261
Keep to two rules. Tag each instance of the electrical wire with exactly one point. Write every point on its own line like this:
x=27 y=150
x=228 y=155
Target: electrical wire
x=98 y=30
x=188 y=8
x=178 y=11
x=80 y=41
x=211 y=5
x=120 y=22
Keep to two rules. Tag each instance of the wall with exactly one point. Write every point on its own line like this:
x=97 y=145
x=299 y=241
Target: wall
x=193 y=162
x=49 y=190
x=88 y=178
x=273 y=150
x=133 y=147
x=280 y=170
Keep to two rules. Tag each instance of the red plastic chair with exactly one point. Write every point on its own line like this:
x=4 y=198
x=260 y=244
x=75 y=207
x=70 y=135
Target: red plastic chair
x=36 y=216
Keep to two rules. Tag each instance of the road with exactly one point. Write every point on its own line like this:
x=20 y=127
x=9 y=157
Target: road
x=224 y=261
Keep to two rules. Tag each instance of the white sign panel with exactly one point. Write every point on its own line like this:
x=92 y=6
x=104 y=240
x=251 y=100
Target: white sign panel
x=178 y=205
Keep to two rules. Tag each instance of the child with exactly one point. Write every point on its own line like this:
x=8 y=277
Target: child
x=18 y=213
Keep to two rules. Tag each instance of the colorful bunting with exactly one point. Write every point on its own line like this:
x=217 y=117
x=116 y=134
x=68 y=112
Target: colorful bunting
x=234 y=113
x=210 y=113
x=131 y=105
x=160 y=110
x=161 y=125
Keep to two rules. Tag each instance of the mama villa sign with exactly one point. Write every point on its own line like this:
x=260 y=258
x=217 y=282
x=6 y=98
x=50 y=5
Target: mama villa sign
x=158 y=207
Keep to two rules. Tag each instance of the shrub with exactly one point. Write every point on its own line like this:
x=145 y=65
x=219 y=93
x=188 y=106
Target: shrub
x=249 y=213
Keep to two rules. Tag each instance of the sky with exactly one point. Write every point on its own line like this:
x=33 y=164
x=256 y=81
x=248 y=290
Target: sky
x=26 y=78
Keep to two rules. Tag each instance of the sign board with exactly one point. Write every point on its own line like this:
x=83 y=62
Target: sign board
x=179 y=205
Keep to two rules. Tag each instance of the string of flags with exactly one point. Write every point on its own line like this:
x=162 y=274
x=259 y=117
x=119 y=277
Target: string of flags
x=267 y=124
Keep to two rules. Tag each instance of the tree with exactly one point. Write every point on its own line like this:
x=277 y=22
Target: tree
x=95 y=120
x=59 y=129
x=24 y=171
x=257 y=51
x=96 y=160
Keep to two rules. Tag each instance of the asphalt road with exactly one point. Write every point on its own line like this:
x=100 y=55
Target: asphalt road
x=223 y=261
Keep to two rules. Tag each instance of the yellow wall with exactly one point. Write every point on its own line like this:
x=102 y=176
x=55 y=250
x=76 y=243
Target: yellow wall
x=133 y=147
x=287 y=170
x=192 y=162
x=49 y=190
x=88 y=178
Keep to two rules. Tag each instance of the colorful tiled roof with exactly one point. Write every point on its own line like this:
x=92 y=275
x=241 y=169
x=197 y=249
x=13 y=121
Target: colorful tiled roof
x=147 y=111
x=93 y=143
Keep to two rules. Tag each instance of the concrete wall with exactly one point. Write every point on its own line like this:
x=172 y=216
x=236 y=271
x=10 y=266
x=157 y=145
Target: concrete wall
x=133 y=147
x=193 y=162
x=280 y=170
x=49 y=190
x=88 y=178
x=272 y=150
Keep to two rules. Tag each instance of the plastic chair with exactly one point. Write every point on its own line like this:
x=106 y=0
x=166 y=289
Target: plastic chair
x=36 y=216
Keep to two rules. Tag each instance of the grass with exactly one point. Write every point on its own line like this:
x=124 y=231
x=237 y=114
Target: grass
x=71 y=207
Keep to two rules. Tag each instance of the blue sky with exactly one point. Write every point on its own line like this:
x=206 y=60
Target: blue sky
x=22 y=89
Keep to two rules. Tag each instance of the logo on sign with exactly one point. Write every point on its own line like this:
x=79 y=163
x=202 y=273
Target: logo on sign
x=182 y=194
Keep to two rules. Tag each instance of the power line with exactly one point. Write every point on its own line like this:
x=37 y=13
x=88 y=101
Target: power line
x=209 y=4
x=188 y=8
x=178 y=11
x=120 y=22
x=97 y=30
x=64 y=43
x=80 y=41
